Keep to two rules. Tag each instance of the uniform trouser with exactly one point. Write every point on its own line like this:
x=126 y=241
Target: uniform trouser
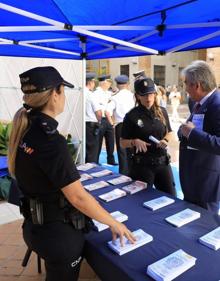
x=92 y=142
x=212 y=207
x=160 y=176
x=122 y=153
x=107 y=131
x=61 y=247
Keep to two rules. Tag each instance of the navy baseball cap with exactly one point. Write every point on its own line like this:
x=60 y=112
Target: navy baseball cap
x=40 y=79
x=121 y=79
x=144 y=86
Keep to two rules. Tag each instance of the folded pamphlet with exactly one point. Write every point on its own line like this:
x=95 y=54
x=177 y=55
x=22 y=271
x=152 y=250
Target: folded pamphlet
x=96 y=185
x=119 y=180
x=135 y=187
x=211 y=239
x=86 y=166
x=112 y=195
x=85 y=177
x=101 y=173
x=158 y=203
x=171 y=266
x=183 y=217
x=141 y=237
x=117 y=215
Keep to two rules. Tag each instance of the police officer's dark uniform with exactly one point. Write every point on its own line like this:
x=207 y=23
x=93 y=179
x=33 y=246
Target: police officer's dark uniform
x=140 y=123
x=92 y=124
x=106 y=129
x=44 y=166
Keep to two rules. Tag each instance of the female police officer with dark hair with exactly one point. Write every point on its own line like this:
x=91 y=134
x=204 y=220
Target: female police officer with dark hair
x=150 y=161
x=41 y=163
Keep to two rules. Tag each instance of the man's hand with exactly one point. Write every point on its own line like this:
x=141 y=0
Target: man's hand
x=186 y=129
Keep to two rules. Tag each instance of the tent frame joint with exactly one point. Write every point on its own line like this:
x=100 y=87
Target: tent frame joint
x=68 y=26
x=15 y=42
x=161 y=28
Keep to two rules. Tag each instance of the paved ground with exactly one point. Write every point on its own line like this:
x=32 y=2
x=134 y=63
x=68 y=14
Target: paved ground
x=12 y=245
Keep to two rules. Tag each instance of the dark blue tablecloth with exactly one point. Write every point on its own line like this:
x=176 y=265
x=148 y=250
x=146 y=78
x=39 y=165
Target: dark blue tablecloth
x=167 y=239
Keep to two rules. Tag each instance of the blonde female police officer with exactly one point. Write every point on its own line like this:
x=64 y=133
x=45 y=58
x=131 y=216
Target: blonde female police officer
x=150 y=161
x=40 y=162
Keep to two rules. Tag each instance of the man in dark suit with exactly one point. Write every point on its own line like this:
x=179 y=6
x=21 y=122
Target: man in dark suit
x=200 y=139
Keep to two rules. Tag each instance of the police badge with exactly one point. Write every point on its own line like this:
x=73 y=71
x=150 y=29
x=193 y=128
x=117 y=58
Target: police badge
x=140 y=123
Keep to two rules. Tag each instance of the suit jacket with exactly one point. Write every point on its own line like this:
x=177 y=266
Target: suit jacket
x=200 y=169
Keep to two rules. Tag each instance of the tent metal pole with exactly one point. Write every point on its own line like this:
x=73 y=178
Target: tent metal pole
x=49 y=49
x=193 y=42
x=83 y=154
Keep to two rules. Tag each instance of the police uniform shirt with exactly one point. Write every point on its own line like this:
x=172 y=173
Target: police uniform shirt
x=43 y=162
x=120 y=104
x=92 y=105
x=141 y=123
x=103 y=98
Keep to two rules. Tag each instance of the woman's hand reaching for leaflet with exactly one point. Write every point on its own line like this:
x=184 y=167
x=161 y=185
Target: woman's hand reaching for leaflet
x=119 y=229
x=141 y=146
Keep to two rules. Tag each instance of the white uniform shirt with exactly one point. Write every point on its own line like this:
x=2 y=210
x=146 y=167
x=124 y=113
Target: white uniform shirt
x=120 y=104
x=103 y=98
x=92 y=105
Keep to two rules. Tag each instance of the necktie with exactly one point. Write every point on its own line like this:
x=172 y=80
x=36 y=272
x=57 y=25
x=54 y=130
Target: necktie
x=196 y=108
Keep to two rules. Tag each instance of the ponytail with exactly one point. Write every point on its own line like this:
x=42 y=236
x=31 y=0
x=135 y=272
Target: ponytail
x=19 y=127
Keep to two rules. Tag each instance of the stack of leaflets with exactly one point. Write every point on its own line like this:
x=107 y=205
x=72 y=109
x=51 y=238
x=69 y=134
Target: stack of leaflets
x=96 y=185
x=117 y=215
x=112 y=195
x=119 y=180
x=101 y=173
x=86 y=166
x=171 y=266
x=183 y=217
x=211 y=239
x=158 y=203
x=85 y=177
x=135 y=187
x=141 y=237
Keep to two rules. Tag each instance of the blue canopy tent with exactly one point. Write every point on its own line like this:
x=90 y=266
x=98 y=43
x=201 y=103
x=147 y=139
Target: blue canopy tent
x=87 y=29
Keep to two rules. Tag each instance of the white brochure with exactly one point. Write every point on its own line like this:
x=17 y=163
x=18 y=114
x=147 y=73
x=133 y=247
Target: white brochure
x=142 y=238
x=96 y=185
x=85 y=177
x=183 y=217
x=119 y=180
x=117 y=215
x=112 y=195
x=135 y=187
x=158 y=203
x=211 y=239
x=171 y=266
x=86 y=166
x=101 y=173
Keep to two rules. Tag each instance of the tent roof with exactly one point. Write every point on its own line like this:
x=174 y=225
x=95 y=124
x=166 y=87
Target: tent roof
x=110 y=28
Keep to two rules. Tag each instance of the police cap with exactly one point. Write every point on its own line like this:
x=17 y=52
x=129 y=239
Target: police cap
x=40 y=79
x=138 y=74
x=90 y=76
x=144 y=86
x=121 y=79
x=104 y=77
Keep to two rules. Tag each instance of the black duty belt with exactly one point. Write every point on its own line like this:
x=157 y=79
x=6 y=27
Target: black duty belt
x=152 y=161
x=42 y=213
x=92 y=124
